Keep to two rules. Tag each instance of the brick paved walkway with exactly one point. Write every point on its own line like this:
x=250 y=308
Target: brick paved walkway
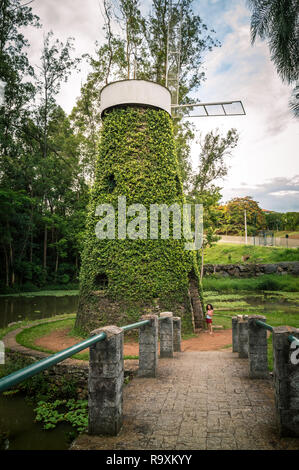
x=200 y=400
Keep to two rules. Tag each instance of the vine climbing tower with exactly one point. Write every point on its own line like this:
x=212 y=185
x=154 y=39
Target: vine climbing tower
x=123 y=276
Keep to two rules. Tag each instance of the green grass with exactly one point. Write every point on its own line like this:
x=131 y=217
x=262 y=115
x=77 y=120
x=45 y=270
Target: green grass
x=226 y=253
x=275 y=318
x=7 y=329
x=28 y=336
x=283 y=233
x=266 y=282
x=53 y=293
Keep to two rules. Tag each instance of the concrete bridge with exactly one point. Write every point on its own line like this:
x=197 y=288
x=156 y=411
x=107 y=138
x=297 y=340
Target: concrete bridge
x=210 y=400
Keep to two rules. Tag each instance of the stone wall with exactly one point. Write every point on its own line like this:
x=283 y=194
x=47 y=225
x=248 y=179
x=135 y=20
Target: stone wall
x=252 y=269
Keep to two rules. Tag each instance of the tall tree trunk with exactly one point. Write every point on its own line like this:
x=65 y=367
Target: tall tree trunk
x=11 y=264
x=31 y=247
x=45 y=247
x=6 y=268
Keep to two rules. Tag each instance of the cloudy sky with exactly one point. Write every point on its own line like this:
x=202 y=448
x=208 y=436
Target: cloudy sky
x=265 y=164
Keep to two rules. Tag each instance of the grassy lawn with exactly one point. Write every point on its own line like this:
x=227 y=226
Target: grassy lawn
x=7 y=329
x=266 y=282
x=285 y=232
x=28 y=336
x=54 y=293
x=225 y=253
x=229 y=304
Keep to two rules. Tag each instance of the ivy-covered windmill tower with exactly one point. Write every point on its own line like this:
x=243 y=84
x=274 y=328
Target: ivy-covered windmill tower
x=122 y=278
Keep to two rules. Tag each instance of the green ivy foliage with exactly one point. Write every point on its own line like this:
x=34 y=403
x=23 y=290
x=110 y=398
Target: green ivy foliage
x=137 y=159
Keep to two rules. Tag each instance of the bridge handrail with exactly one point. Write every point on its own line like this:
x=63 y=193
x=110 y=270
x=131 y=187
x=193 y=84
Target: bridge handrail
x=22 y=374
x=291 y=338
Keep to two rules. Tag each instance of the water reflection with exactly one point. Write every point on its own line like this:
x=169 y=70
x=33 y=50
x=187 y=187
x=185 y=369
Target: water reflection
x=19 y=308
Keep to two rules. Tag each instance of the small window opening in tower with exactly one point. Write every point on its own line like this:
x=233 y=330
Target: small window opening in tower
x=111 y=183
x=101 y=281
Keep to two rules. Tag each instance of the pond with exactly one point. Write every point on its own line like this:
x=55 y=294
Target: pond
x=33 y=307
x=16 y=415
x=17 y=418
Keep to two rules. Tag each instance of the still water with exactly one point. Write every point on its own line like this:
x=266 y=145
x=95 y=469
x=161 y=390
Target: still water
x=17 y=418
x=19 y=308
x=16 y=415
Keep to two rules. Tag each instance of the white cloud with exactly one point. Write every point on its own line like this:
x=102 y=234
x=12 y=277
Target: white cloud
x=279 y=194
x=269 y=136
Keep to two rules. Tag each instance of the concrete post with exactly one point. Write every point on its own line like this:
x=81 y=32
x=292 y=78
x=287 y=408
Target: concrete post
x=105 y=383
x=177 y=334
x=235 y=333
x=286 y=381
x=148 y=347
x=257 y=348
x=243 y=337
x=166 y=334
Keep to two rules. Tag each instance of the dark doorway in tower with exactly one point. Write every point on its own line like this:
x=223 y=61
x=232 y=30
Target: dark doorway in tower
x=111 y=183
x=101 y=281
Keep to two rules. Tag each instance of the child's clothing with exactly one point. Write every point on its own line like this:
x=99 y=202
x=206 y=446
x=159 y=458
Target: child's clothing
x=209 y=317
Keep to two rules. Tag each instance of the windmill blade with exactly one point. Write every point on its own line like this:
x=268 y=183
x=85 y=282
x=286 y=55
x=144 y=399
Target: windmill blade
x=220 y=108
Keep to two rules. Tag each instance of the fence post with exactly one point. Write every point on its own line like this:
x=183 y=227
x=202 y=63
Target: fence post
x=166 y=334
x=177 y=334
x=286 y=381
x=257 y=348
x=105 y=383
x=148 y=347
x=243 y=337
x=235 y=333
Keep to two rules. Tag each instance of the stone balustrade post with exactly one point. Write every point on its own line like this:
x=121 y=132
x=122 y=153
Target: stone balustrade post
x=177 y=334
x=105 y=383
x=243 y=337
x=257 y=348
x=286 y=380
x=148 y=347
x=166 y=334
x=235 y=334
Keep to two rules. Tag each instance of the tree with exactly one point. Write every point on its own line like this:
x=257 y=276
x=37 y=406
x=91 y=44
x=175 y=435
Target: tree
x=15 y=73
x=278 y=22
x=137 y=49
x=56 y=66
x=212 y=160
x=274 y=221
x=195 y=41
x=212 y=167
x=234 y=215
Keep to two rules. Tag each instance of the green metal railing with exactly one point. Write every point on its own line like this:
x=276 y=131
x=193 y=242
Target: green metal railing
x=33 y=369
x=291 y=338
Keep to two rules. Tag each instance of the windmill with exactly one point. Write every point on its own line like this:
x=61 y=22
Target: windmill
x=173 y=71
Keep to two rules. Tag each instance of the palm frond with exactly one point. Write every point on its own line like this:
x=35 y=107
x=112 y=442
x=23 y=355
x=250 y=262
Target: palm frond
x=294 y=101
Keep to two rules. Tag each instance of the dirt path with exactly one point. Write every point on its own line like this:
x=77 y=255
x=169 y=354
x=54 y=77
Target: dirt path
x=59 y=339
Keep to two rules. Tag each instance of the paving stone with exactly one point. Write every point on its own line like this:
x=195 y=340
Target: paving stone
x=198 y=400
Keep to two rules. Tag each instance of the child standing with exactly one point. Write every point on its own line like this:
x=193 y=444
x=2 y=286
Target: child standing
x=209 y=316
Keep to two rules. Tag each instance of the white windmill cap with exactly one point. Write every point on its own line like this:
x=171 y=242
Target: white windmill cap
x=135 y=92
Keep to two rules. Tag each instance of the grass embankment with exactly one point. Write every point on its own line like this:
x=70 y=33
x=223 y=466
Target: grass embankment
x=227 y=253
x=29 y=336
x=45 y=293
x=31 y=289
x=272 y=282
x=285 y=309
x=283 y=233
